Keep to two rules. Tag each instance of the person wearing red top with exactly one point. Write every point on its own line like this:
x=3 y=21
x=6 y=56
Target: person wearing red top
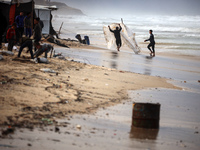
x=11 y=36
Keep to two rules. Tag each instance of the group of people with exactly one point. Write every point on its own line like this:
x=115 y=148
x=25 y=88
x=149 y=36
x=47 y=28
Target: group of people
x=117 y=35
x=24 y=23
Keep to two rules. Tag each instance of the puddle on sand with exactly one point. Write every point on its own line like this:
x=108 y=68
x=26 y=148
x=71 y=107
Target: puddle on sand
x=110 y=128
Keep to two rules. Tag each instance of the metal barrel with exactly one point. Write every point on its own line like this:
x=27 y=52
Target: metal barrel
x=146 y=115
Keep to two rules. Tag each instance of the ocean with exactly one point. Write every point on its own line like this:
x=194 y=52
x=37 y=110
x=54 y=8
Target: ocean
x=180 y=34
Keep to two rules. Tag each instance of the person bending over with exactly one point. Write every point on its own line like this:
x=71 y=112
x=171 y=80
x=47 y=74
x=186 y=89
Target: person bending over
x=45 y=48
x=117 y=36
x=151 y=44
x=27 y=43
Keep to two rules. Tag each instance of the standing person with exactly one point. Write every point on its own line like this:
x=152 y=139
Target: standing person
x=20 y=23
x=117 y=36
x=11 y=36
x=151 y=44
x=37 y=30
x=27 y=25
x=37 y=35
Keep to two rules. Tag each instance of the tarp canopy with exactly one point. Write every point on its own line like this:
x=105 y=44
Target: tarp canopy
x=15 y=1
x=10 y=9
x=44 y=15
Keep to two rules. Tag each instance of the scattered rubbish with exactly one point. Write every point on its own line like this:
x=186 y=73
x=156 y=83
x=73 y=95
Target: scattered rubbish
x=61 y=57
x=57 y=54
x=6 y=44
x=1 y=57
x=9 y=130
x=47 y=70
x=4 y=145
x=57 y=129
x=199 y=81
x=55 y=140
x=196 y=132
x=78 y=126
x=185 y=81
x=47 y=121
x=41 y=60
x=29 y=144
x=15 y=48
x=6 y=52
x=146 y=115
x=3 y=82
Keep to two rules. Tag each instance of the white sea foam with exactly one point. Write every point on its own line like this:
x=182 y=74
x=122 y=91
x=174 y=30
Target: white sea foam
x=181 y=30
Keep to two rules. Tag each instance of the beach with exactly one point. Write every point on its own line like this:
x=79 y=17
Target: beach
x=86 y=100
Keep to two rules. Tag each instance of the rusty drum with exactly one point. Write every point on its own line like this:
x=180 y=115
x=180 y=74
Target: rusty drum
x=146 y=115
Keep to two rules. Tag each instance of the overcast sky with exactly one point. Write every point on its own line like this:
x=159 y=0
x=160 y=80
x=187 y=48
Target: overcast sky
x=148 y=7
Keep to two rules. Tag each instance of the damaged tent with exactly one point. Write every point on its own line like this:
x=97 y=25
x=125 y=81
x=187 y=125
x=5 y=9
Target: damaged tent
x=9 y=9
x=44 y=13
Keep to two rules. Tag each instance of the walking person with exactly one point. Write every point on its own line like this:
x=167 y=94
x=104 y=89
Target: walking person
x=151 y=44
x=20 y=23
x=11 y=36
x=27 y=25
x=117 y=36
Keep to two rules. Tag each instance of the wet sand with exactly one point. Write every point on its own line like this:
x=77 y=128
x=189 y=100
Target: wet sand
x=109 y=127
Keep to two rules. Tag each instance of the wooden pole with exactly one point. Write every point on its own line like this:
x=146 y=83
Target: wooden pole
x=60 y=28
x=32 y=15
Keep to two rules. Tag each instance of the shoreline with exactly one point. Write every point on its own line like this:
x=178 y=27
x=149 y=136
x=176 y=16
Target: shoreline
x=30 y=95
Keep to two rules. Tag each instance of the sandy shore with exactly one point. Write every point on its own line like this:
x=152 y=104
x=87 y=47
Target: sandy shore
x=29 y=95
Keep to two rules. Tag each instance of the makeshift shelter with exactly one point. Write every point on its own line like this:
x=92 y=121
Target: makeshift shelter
x=11 y=8
x=44 y=13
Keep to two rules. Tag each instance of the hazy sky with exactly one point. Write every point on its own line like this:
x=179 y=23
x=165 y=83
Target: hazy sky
x=148 y=7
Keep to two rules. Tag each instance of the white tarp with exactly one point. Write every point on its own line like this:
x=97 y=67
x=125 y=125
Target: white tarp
x=15 y=1
x=44 y=15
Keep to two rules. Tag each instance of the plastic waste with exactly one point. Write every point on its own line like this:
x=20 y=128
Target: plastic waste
x=61 y=57
x=6 y=52
x=47 y=70
x=6 y=44
x=41 y=60
x=1 y=57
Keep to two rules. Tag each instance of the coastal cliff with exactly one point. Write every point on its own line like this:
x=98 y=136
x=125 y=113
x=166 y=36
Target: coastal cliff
x=62 y=8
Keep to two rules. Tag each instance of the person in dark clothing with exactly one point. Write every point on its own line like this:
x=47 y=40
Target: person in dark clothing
x=27 y=25
x=29 y=44
x=37 y=35
x=117 y=36
x=3 y=26
x=37 y=30
x=20 y=23
x=151 y=44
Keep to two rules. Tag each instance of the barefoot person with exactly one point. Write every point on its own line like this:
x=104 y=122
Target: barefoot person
x=151 y=44
x=117 y=36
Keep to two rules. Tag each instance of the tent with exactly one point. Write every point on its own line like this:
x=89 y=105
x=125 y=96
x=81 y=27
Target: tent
x=11 y=8
x=44 y=13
